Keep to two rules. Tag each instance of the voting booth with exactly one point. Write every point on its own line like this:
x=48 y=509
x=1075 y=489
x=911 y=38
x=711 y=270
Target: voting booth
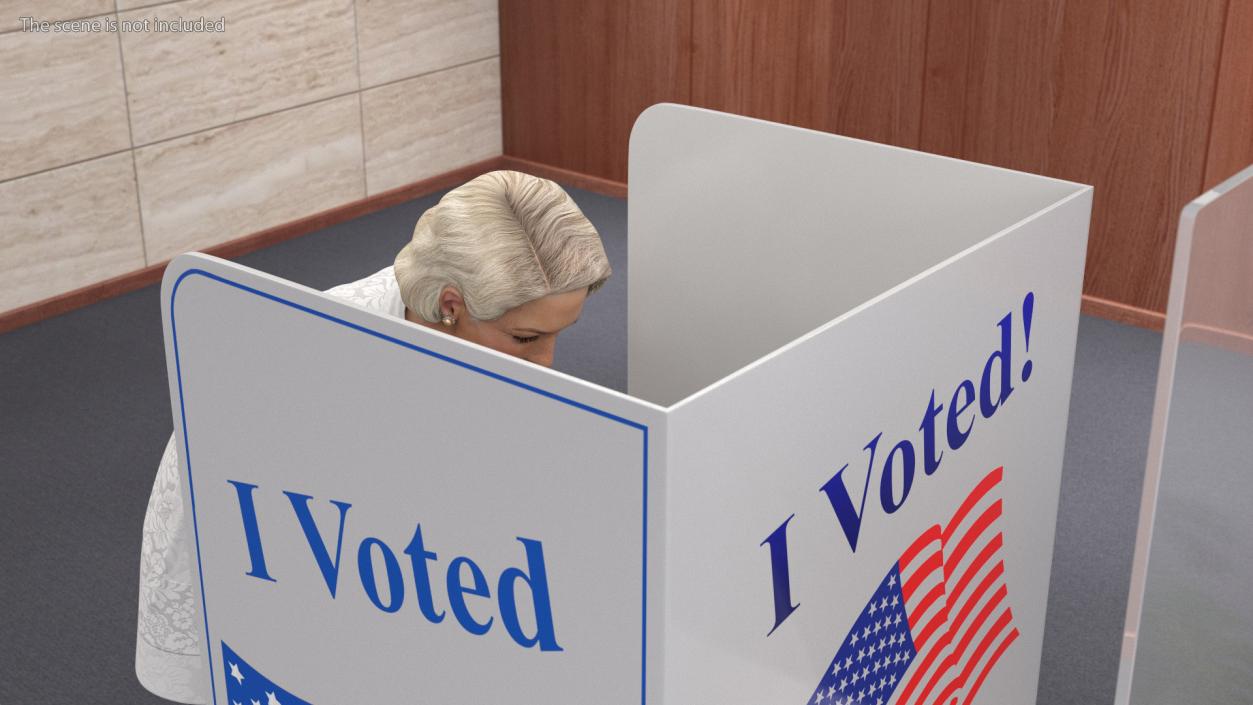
x=1189 y=629
x=834 y=478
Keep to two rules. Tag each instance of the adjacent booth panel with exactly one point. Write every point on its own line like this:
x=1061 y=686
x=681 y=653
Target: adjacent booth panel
x=835 y=479
x=1189 y=635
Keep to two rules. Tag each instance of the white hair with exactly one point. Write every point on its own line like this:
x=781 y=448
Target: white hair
x=501 y=240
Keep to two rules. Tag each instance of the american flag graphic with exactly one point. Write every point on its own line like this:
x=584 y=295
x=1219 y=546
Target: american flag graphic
x=939 y=621
x=244 y=686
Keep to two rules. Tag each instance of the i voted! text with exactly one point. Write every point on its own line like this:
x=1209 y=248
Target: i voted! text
x=951 y=427
x=463 y=577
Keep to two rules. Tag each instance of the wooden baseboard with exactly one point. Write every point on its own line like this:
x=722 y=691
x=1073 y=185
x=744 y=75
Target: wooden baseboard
x=587 y=182
x=1123 y=313
x=92 y=293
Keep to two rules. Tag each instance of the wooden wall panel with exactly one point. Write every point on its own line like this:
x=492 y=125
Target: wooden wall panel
x=576 y=74
x=1094 y=92
x=1136 y=128
x=1123 y=94
x=990 y=81
x=1231 y=132
x=853 y=67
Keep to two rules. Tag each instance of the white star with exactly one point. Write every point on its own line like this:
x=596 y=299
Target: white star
x=256 y=702
x=892 y=580
x=234 y=702
x=236 y=674
x=272 y=700
x=873 y=608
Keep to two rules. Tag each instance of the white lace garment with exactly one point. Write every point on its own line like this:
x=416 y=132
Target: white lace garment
x=168 y=653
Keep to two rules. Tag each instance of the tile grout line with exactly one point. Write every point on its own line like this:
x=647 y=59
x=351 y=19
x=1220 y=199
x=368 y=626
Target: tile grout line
x=356 y=47
x=66 y=165
x=432 y=72
x=130 y=129
x=307 y=103
x=252 y=117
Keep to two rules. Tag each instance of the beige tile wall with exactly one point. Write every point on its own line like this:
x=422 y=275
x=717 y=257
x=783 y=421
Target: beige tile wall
x=122 y=145
x=419 y=127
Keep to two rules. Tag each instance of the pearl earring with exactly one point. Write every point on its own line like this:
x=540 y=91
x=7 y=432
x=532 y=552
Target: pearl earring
x=448 y=319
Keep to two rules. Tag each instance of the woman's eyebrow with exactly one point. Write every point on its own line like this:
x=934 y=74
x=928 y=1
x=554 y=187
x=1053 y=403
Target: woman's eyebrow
x=537 y=331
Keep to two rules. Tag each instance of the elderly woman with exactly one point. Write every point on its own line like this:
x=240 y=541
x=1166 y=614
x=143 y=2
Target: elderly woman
x=505 y=261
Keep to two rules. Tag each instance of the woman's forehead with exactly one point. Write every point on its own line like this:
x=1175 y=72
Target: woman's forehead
x=547 y=314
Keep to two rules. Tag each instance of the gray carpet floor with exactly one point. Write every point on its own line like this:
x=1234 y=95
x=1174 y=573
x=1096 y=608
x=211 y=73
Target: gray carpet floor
x=84 y=416
x=1201 y=565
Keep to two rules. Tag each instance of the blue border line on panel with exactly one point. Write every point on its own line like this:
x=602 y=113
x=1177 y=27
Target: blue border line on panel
x=474 y=368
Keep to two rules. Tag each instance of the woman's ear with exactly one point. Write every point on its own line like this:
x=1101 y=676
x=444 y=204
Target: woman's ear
x=450 y=301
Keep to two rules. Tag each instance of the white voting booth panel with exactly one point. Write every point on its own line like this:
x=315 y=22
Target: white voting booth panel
x=835 y=478
x=366 y=493
x=886 y=289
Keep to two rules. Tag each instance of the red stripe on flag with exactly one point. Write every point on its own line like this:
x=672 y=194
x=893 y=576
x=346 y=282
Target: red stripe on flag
x=928 y=536
x=985 y=520
x=984 y=556
x=914 y=615
x=915 y=679
x=984 y=644
x=995 y=631
x=945 y=666
x=978 y=623
x=936 y=622
x=950 y=661
x=939 y=657
x=984 y=486
x=932 y=564
x=996 y=656
x=997 y=597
